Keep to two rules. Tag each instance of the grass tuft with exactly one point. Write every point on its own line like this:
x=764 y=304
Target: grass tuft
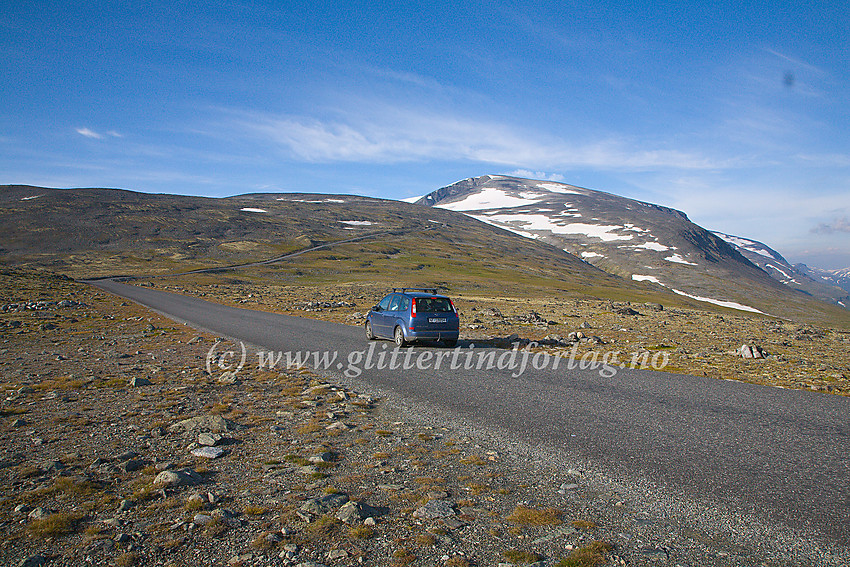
x=526 y=516
x=590 y=555
x=53 y=525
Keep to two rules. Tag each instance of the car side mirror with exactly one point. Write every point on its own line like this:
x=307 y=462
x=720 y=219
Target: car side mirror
x=376 y=308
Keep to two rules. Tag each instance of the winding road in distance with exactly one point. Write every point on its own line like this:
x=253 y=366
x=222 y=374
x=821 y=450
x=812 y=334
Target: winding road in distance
x=782 y=455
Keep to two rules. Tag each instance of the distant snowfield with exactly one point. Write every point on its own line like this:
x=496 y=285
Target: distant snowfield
x=720 y=302
x=412 y=199
x=31 y=197
x=746 y=244
x=592 y=255
x=253 y=210
x=657 y=246
x=730 y=304
x=559 y=188
x=489 y=198
x=640 y=278
x=306 y=201
x=679 y=260
x=523 y=222
x=356 y=222
x=783 y=272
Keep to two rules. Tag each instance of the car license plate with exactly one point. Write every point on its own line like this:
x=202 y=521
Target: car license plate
x=435 y=320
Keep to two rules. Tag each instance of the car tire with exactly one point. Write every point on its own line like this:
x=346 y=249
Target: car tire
x=369 y=334
x=398 y=335
x=451 y=343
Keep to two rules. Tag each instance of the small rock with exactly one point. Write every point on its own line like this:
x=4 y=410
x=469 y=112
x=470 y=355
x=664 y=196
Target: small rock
x=435 y=509
x=202 y=519
x=227 y=377
x=335 y=554
x=325 y=457
x=181 y=477
x=125 y=505
x=324 y=504
x=352 y=512
x=208 y=452
x=628 y=311
x=38 y=513
x=209 y=439
x=214 y=423
x=132 y=465
x=137 y=382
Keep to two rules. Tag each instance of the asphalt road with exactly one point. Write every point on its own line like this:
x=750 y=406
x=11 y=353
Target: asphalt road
x=781 y=455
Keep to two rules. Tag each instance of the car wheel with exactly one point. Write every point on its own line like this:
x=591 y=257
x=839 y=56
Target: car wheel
x=369 y=334
x=451 y=343
x=399 y=337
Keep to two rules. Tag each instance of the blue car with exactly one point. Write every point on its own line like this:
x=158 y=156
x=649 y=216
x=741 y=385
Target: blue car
x=414 y=314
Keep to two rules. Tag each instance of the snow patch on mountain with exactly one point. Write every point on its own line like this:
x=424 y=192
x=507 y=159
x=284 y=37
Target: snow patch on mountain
x=559 y=188
x=640 y=278
x=720 y=302
x=490 y=198
x=679 y=260
x=750 y=245
x=657 y=246
x=521 y=223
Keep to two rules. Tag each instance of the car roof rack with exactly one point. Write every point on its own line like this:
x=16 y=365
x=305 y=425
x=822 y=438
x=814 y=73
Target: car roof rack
x=432 y=290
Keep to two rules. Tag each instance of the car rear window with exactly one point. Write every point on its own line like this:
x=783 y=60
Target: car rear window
x=433 y=305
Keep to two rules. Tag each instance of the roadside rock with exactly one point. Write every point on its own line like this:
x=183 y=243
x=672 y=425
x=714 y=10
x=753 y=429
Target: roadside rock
x=435 y=509
x=352 y=512
x=325 y=504
x=213 y=423
x=751 y=351
x=209 y=439
x=180 y=477
x=208 y=452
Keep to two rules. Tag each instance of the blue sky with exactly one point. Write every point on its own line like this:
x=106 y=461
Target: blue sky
x=736 y=113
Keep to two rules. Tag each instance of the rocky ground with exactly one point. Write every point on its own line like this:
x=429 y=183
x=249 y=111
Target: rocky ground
x=120 y=449
x=674 y=339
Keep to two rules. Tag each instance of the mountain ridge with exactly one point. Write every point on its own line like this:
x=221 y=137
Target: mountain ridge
x=633 y=239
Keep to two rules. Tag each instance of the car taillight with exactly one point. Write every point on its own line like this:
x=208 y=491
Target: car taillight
x=453 y=306
x=413 y=308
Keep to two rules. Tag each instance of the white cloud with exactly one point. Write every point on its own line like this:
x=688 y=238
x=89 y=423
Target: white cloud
x=89 y=133
x=389 y=134
x=836 y=225
x=528 y=174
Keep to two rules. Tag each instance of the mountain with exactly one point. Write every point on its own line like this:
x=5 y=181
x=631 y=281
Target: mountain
x=636 y=240
x=88 y=233
x=840 y=277
x=382 y=243
x=772 y=262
